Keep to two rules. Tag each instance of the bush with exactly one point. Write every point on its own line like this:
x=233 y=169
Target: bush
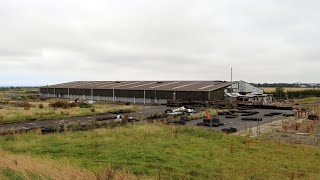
x=93 y=110
x=64 y=113
x=60 y=104
x=279 y=93
x=26 y=107
x=40 y=106
x=22 y=104
x=85 y=105
x=73 y=104
x=304 y=93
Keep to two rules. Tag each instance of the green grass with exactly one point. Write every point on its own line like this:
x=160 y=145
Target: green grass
x=311 y=100
x=12 y=114
x=172 y=152
x=17 y=94
x=11 y=174
x=18 y=114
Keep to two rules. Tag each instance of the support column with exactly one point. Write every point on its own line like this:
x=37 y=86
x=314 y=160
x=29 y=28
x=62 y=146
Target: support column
x=91 y=94
x=144 y=96
x=54 y=92
x=113 y=95
x=68 y=93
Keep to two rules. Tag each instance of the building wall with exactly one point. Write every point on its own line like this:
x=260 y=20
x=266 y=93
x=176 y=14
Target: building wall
x=192 y=95
x=134 y=96
x=103 y=92
x=217 y=94
x=245 y=88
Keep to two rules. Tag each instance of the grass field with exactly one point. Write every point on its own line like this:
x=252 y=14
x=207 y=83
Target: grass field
x=273 y=89
x=17 y=94
x=154 y=150
x=25 y=167
x=311 y=100
x=11 y=113
x=17 y=114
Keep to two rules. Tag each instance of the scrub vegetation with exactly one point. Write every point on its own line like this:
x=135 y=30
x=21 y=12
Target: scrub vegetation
x=22 y=104
x=43 y=111
x=159 y=151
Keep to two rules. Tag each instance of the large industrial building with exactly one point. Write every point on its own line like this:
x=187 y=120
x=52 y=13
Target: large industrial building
x=144 y=92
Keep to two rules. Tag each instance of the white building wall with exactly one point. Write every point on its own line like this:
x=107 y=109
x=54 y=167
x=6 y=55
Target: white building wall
x=244 y=87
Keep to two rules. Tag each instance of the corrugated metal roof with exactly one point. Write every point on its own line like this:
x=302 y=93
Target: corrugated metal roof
x=145 y=85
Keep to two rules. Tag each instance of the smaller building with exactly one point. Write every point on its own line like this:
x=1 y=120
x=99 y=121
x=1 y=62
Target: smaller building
x=244 y=88
x=251 y=98
x=246 y=93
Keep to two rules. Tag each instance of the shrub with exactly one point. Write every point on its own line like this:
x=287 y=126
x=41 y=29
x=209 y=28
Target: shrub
x=279 y=93
x=64 y=113
x=22 y=104
x=40 y=106
x=26 y=107
x=93 y=109
x=60 y=104
x=85 y=105
x=73 y=104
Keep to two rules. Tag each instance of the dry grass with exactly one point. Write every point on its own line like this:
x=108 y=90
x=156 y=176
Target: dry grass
x=310 y=100
x=271 y=89
x=305 y=126
x=8 y=94
x=153 y=151
x=17 y=114
x=27 y=167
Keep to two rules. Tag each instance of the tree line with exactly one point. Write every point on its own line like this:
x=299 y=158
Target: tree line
x=281 y=94
x=284 y=85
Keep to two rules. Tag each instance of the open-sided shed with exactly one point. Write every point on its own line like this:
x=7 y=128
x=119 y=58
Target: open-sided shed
x=138 y=91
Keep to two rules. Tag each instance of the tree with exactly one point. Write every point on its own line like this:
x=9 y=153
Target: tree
x=279 y=93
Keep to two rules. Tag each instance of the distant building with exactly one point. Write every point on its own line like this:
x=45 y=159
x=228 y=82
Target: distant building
x=244 y=88
x=246 y=93
x=144 y=92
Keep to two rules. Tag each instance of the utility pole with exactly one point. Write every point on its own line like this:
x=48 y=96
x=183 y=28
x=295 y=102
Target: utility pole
x=231 y=82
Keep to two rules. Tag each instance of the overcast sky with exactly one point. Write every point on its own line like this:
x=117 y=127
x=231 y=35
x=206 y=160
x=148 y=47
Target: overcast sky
x=44 y=42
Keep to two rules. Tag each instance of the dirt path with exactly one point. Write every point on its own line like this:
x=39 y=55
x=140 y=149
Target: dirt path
x=147 y=110
x=275 y=126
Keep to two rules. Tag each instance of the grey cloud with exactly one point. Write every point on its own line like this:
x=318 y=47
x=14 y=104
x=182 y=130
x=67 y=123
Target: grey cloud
x=54 y=41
